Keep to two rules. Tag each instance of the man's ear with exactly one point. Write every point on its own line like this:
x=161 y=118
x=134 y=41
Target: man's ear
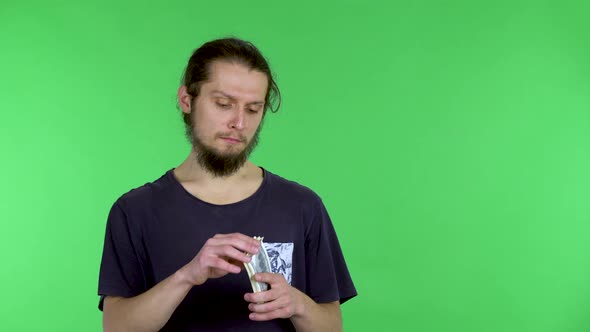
x=184 y=99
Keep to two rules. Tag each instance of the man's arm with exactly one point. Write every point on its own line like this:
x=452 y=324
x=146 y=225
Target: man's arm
x=318 y=316
x=285 y=301
x=149 y=311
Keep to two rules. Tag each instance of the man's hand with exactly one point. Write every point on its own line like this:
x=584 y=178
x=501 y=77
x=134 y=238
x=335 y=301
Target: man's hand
x=280 y=301
x=221 y=254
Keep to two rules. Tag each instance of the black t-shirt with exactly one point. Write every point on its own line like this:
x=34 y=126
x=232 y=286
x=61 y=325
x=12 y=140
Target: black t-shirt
x=154 y=230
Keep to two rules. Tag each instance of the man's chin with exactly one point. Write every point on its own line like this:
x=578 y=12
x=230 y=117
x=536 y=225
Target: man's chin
x=223 y=160
x=228 y=155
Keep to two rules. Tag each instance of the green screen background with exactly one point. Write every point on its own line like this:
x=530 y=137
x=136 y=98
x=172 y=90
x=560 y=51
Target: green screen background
x=450 y=141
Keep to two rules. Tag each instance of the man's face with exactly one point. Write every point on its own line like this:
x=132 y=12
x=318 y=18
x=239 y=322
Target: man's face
x=226 y=117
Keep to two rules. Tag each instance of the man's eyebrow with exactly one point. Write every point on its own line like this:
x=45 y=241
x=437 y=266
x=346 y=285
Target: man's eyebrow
x=228 y=96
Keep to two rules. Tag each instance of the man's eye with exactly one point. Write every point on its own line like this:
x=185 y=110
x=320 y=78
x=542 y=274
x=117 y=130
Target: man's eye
x=253 y=111
x=223 y=105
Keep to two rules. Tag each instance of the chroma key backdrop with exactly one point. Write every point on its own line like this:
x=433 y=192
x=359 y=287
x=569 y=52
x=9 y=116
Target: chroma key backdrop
x=449 y=140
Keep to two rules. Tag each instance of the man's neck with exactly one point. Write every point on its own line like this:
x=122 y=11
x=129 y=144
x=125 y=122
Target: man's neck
x=218 y=189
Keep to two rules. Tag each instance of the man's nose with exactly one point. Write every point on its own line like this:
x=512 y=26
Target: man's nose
x=238 y=120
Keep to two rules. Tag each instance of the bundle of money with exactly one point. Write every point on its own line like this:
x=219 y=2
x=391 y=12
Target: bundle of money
x=258 y=263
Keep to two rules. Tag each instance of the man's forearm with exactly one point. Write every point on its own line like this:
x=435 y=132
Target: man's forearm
x=311 y=316
x=148 y=311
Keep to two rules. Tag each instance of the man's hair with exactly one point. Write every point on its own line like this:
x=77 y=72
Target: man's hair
x=232 y=50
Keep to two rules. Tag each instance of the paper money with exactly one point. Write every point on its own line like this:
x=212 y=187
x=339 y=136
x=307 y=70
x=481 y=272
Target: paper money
x=258 y=263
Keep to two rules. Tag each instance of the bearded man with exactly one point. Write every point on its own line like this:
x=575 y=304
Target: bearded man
x=175 y=248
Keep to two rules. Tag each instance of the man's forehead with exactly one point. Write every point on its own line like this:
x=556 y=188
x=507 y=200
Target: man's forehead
x=236 y=81
x=219 y=68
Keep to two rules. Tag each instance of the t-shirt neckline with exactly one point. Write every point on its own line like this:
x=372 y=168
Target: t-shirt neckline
x=265 y=179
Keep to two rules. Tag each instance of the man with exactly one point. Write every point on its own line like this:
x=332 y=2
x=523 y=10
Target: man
x=174 y=249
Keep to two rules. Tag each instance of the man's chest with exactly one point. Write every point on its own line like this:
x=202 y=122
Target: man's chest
x=173 y=239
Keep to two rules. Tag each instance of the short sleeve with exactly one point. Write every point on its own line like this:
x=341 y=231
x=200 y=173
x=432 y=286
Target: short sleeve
x=328 y=278
x=121 y=269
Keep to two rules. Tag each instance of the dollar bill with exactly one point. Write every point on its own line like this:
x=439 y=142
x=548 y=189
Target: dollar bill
x=258 y=263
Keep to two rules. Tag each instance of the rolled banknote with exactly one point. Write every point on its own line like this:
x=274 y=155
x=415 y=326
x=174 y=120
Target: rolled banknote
x=258 y=263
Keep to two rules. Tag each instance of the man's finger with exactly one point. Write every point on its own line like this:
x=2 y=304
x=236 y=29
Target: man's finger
x=279 y=313
x=267 y=307
x=224 y=265
x=269 y=278
x=238 y=236
x=245 y=244
x=231 y=253
x=260 y=297
x=236 y=263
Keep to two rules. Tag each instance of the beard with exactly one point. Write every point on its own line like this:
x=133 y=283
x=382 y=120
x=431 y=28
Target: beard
x=217 y=163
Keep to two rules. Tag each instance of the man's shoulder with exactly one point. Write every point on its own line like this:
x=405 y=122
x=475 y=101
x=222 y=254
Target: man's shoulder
x=144 y=194
x=290 y=188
